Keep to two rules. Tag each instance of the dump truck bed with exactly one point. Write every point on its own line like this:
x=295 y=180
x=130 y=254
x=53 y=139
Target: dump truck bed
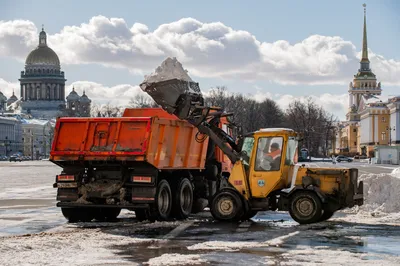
x=163 y=141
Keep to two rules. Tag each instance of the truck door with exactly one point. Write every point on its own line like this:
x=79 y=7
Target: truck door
x=266 y=170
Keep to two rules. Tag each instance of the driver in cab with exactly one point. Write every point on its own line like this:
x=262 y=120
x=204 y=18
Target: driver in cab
x=271 y=158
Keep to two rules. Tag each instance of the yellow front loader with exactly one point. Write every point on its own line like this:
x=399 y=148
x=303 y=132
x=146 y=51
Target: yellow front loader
x=268 y=178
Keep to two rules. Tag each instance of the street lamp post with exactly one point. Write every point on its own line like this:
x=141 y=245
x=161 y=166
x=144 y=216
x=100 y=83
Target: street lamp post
x=389 y=129
x=6 y=144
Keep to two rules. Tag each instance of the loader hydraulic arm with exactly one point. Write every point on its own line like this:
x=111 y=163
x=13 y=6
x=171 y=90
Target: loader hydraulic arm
x=184 y=99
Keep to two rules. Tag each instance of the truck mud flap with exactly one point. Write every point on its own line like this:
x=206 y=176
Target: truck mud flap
x=67 y=194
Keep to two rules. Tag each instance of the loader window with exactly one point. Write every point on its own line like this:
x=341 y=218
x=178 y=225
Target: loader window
x=247 y=147
x=291 y=151
x=269 y=152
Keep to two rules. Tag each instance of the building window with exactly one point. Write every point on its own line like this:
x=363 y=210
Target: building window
x=383 y=135
x=355 y=143
x=354 y=130
x=383 y=119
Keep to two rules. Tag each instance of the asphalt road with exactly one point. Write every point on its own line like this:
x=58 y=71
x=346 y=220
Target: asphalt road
x=33 y=231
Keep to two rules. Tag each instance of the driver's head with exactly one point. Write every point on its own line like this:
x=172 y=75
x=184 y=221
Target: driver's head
x=274 y=146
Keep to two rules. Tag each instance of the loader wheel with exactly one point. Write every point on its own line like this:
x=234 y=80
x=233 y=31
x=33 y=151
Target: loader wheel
x=226 y=206
x=249 y=214
x=183 y=199
x=305 y=207
x=74 y=215
x=163 y=205
x=326 y=216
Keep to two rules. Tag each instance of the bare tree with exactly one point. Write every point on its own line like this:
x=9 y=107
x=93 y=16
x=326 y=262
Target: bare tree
x=314 y=123
x=142 y=101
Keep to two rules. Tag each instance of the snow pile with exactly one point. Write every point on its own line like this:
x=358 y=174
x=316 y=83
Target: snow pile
x=381 y=192
x=175 y=259
x=170 y=68
x=381 y=198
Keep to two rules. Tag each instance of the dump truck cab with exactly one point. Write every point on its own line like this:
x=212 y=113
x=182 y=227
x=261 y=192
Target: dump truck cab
x=268 y=178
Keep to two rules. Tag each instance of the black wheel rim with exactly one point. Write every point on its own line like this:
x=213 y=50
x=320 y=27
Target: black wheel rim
x=186 y=198
x=226 y=206
x=305 y=207
x=163 y=201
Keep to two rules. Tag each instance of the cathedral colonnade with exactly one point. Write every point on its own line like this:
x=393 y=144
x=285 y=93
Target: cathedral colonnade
x=43 y=91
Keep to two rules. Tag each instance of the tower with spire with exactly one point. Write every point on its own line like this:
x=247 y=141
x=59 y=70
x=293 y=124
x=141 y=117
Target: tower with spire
x=364 y=83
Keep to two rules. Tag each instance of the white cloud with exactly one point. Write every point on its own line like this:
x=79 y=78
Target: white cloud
x=205 y=49
x=7 y=88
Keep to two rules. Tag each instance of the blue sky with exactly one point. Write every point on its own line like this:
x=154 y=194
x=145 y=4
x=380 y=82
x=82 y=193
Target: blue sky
x=267 y=21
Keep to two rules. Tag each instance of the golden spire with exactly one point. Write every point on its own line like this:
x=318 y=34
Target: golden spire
x=364 y=45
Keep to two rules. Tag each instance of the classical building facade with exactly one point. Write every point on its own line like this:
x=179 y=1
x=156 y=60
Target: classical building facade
x=42 y=84
x=10 y=136
x=42 y=88
x=370 y=120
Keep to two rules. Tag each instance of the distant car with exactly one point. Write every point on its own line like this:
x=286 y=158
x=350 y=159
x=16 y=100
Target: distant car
x=15 y=158
x=342 y=158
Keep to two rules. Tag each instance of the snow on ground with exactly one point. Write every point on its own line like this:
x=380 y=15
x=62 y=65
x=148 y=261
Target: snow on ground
x=85 y=246
x=236 y=245
x=305 y=255
x=175 y=259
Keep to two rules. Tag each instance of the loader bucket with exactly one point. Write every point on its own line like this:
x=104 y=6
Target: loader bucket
x=178 y=97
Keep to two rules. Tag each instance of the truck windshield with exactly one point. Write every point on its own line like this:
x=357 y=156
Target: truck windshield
x=247 y=147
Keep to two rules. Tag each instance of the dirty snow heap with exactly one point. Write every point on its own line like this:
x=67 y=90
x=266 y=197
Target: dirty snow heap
x=170 y=68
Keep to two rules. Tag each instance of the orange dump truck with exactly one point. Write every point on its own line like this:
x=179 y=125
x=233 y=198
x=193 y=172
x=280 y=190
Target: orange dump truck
x=147 y=161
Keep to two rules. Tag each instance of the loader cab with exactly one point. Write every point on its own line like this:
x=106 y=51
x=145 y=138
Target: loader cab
x=270 y=155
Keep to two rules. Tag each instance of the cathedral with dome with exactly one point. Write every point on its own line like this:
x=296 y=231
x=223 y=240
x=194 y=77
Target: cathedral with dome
x=42 y=88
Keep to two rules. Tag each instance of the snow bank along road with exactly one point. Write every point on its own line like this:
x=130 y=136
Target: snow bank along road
x=33 y=231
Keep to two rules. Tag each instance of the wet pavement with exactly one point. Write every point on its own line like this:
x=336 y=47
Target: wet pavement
x=29 y=218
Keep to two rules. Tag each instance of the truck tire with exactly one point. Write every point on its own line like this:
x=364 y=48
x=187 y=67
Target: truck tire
x=74 y=215
x=182 y=199
x=226 y=206
x=163 y=205
x=305 y=207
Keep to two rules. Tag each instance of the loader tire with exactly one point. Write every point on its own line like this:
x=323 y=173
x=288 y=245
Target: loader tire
x=249 y=214
x=305 y=207
x=182 y=199
x=227 y=206
x=326 y=216
x=74 y=215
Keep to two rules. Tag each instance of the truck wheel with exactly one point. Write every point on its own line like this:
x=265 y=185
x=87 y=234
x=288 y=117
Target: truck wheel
x=74 y=215
x=326 y=216
x=163 y=205
x=226 y=206
x=183 y=199
x=305 y=207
